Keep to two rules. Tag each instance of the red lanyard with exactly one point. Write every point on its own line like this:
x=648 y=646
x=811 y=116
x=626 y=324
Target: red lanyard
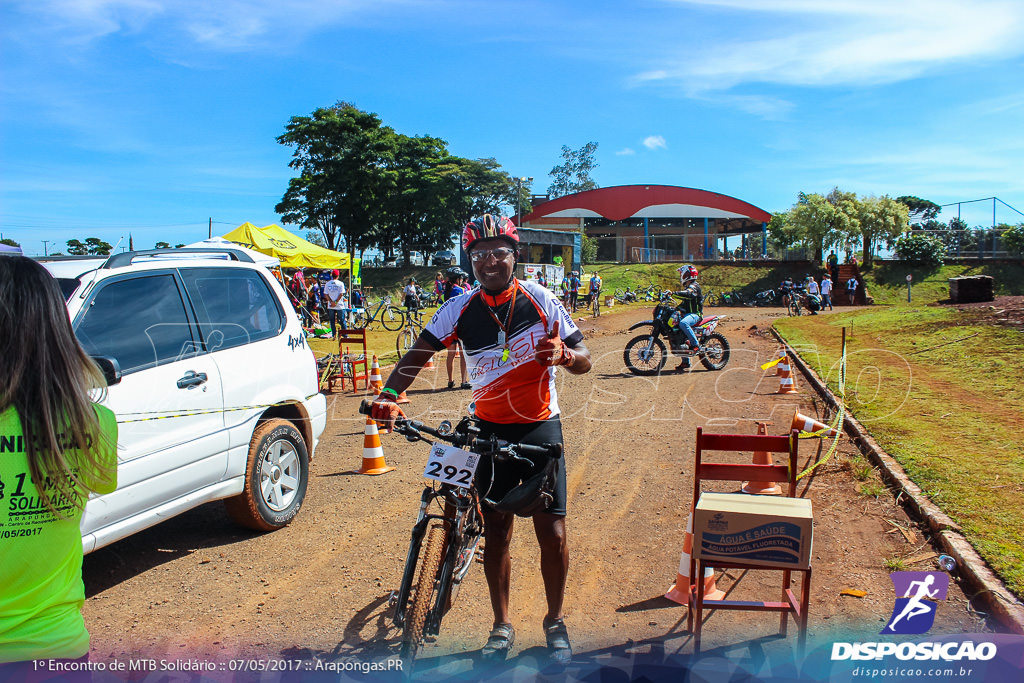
x=503 y=334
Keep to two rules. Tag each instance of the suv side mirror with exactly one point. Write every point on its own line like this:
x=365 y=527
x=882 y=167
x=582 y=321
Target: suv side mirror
x=110 y=368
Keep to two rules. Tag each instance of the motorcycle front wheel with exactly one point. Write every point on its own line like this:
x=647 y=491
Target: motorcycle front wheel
x=714 y=354
x=645 y=355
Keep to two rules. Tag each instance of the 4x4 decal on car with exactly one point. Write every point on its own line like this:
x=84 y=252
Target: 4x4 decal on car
x=296 y=342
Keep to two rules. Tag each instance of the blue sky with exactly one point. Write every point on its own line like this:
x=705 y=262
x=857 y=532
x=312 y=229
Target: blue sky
x=150 y=117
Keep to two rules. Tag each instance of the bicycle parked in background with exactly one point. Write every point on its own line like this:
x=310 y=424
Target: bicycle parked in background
x=407 y=337
x=391 y=317
x=450 y=523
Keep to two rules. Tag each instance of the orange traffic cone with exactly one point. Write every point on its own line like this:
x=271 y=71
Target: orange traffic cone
x=781 y=355
x=764 y=488
x=376 y=383
x=787 y=383
x=373 y=454
x=402 y=398
x=680 y=590
x=802 y=423
x=429 y=365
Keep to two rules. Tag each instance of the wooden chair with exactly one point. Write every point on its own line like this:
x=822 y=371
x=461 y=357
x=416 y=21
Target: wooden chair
x=351 y=361
x=708 y=471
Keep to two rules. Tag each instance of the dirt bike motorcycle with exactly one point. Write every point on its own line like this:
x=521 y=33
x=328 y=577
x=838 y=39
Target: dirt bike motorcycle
x=647 y=354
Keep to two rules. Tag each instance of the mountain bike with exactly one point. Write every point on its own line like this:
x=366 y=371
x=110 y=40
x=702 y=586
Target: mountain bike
x=391 y=317
x=795 y=304
x=595 y=303
x=450 y=523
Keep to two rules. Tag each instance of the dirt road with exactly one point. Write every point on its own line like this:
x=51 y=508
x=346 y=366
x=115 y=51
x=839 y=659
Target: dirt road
x=197 y=587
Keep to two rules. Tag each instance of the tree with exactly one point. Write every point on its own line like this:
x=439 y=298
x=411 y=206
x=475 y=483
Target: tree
x=1013 y=239
x=342 y=156
x=162 y=245
x=783 y=234
x=9 y=242
x=92 y=246
x=825 y=221
x=920 y=249
x=920 y=210
x=880 y=218
x=574 y=174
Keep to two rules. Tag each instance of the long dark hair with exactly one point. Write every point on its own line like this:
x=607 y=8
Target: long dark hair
x=48 y=379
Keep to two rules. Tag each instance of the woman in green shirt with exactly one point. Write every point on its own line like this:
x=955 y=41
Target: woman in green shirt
x=56 y=446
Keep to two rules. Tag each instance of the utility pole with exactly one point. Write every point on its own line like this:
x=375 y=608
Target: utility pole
x=211 y=228
x=45 y=252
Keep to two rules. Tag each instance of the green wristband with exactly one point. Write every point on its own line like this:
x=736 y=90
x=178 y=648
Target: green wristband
x=389 y=391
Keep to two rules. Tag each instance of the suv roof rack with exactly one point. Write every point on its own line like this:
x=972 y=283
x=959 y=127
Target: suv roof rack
x=125 y=259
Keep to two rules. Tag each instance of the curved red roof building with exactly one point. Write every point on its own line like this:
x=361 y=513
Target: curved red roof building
x=659 y=222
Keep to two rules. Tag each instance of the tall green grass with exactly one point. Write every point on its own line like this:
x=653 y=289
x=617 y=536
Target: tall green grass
x=940 y=390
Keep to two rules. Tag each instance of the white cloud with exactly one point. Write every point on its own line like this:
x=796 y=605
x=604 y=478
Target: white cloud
x=655 y=142
x=224 y=24
x=839 y=42
x=627 y=151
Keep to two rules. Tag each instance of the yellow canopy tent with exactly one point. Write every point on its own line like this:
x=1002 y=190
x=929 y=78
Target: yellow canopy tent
x=291 y=250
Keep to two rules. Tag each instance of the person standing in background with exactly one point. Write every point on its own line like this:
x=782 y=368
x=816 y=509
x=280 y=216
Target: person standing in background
x=334 y=292
x=826 y=292
x=57 y=436
x=832 y=263
x=851 y=290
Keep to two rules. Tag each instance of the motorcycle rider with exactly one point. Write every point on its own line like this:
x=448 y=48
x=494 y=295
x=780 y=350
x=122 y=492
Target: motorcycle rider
x=689 y=311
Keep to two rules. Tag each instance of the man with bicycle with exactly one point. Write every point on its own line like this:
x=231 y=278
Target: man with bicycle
x=514 y=335
x=595 y=287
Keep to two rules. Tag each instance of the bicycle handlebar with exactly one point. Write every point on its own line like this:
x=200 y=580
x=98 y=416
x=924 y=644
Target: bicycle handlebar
x=499 y=449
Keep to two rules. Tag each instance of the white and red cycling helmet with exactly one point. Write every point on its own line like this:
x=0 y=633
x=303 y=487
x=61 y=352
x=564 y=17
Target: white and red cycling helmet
x=687 y=274
x=487 y=227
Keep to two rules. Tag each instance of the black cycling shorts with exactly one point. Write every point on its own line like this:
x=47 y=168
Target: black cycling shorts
x=508 y=475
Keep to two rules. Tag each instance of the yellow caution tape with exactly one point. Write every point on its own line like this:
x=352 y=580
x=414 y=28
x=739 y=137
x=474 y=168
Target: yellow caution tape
x=836 y=423
x=164 y=415
x=772 y=363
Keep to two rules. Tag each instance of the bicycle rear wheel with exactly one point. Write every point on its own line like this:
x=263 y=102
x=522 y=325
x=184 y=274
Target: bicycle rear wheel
x=597 y=305
x=415 y=620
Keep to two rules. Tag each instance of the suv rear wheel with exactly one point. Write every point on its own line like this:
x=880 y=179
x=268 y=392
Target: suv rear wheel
x=275 y=480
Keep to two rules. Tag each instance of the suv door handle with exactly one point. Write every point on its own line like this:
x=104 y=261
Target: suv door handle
x=192 y=379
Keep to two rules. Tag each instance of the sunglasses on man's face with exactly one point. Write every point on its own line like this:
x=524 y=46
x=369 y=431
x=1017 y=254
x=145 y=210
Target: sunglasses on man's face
x=501 y=253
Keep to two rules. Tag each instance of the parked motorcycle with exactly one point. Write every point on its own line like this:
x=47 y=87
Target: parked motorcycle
x=766 y=298
x=647 y=354
x=733 y=298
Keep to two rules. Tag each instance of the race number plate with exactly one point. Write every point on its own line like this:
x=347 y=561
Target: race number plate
x=451 y=465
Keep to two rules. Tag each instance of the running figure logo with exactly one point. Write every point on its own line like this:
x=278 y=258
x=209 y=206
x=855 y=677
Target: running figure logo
x=916 y=592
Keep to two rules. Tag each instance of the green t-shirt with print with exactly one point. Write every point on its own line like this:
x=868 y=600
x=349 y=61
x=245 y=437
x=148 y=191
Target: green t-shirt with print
x=41 y=589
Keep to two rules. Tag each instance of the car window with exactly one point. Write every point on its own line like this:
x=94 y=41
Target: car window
x=234 y=306
x=139 y=321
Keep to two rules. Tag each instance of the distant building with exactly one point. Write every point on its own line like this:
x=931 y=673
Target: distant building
x=654 y=222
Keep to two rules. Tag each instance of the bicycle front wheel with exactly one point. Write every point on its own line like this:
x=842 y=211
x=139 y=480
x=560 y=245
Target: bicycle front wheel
x=392 y=318
x=597 y=306
x=406 y=338
x=415 y=621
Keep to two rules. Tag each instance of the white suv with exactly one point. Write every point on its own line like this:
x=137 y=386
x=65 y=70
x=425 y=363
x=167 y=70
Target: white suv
x=213 y=385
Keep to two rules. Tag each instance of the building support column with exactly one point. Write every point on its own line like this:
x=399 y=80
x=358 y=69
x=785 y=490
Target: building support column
x=764 y=240
x=707 y=247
